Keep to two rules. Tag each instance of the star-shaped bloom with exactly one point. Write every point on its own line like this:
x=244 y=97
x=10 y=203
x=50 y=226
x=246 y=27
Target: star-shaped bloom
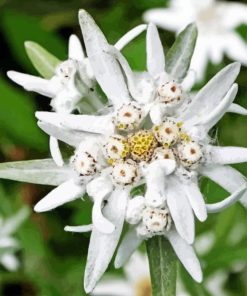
x=120 y=148
x=216 y=21
x=8 y=244
x=168 y=157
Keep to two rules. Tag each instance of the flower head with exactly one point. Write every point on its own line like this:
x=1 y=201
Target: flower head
x=216 y=21
x=140 y=138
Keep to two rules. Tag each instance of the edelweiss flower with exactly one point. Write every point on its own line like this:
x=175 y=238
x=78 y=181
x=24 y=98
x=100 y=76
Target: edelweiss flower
x=216 y=21
x=121 y=148
x=8 y=244
x=169 y=157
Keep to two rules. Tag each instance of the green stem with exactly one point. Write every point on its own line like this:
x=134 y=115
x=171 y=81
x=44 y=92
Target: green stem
x=163 y=266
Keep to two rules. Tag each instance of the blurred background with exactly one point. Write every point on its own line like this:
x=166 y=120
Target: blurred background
x=52 y=261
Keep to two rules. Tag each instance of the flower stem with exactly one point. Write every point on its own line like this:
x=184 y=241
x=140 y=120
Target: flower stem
x=163 y=266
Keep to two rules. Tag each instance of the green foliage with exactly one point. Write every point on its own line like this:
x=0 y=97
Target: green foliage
x=180 y=54
x=17 y=119
x=44 y=62
x=19 y=28
x=163 y=266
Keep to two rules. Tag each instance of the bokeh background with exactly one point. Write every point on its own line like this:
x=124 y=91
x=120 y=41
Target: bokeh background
x=52 y=261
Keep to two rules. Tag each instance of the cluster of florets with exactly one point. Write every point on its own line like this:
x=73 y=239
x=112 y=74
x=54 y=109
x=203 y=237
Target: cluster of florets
x=124 y=152
x=150 y=221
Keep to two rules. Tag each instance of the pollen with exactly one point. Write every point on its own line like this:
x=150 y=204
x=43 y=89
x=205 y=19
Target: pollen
x=128 y=117
x=84 y=163
x=190 y=154
x=167 y=133
x=157 y=220
x=125 y=172
x=170 y=94
x=142 y=145
x=115 y=148
x=163 y=153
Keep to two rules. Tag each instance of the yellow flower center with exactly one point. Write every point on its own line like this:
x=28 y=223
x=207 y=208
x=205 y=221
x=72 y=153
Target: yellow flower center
x=142 y=145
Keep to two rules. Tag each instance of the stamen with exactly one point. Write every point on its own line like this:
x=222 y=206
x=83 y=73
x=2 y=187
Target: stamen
x=167 y=133
x=163 y=153
x=128 y=117
x=125 y=172
x=84 y=163
x=142 y=145
x=170 y=94
x=190 y=154
x=116 y=148
x=157 y=220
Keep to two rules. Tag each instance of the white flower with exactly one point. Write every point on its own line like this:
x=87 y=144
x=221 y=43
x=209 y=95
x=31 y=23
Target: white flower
x=216 y=21
x=8 y=244
x=120 y=148
x=172 y=180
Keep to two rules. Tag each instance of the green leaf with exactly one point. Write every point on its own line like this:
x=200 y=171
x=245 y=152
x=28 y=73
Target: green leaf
x=162 y=265
x=44 y=62
x=19 y=28
x=179 y=56
x=17 y=119
x=42 y=171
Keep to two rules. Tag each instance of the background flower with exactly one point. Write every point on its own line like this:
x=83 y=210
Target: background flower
x=216 y=21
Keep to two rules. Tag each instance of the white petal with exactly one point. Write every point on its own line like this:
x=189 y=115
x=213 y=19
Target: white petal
x=140 y=88
x=227 y=155
x=105 y=67
x=181 y=211
x=186 y=255
x=66 y=192
x=99 y=189
x=209 y=120
x=129 y=36
x=227 y=177
x=102 y=246
x=169 y=19
x=75 y=49
x=87 y=123
x=227 y=202
x=155 y=179
x=128 y=246
x=155 y=53
x=236 y=48
x=235 y=13
x=41 y=171
x=113 y=287
x=196 y=200
x=55 y=152
x=156 y=113
x=80 y=229
x=10 y=262
x=13 y=223
x=235 y=108
x=212 y=93
x=73 y=138
x=33 y=83
x=8 y=243
x=189 y=81
x=200 y=58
